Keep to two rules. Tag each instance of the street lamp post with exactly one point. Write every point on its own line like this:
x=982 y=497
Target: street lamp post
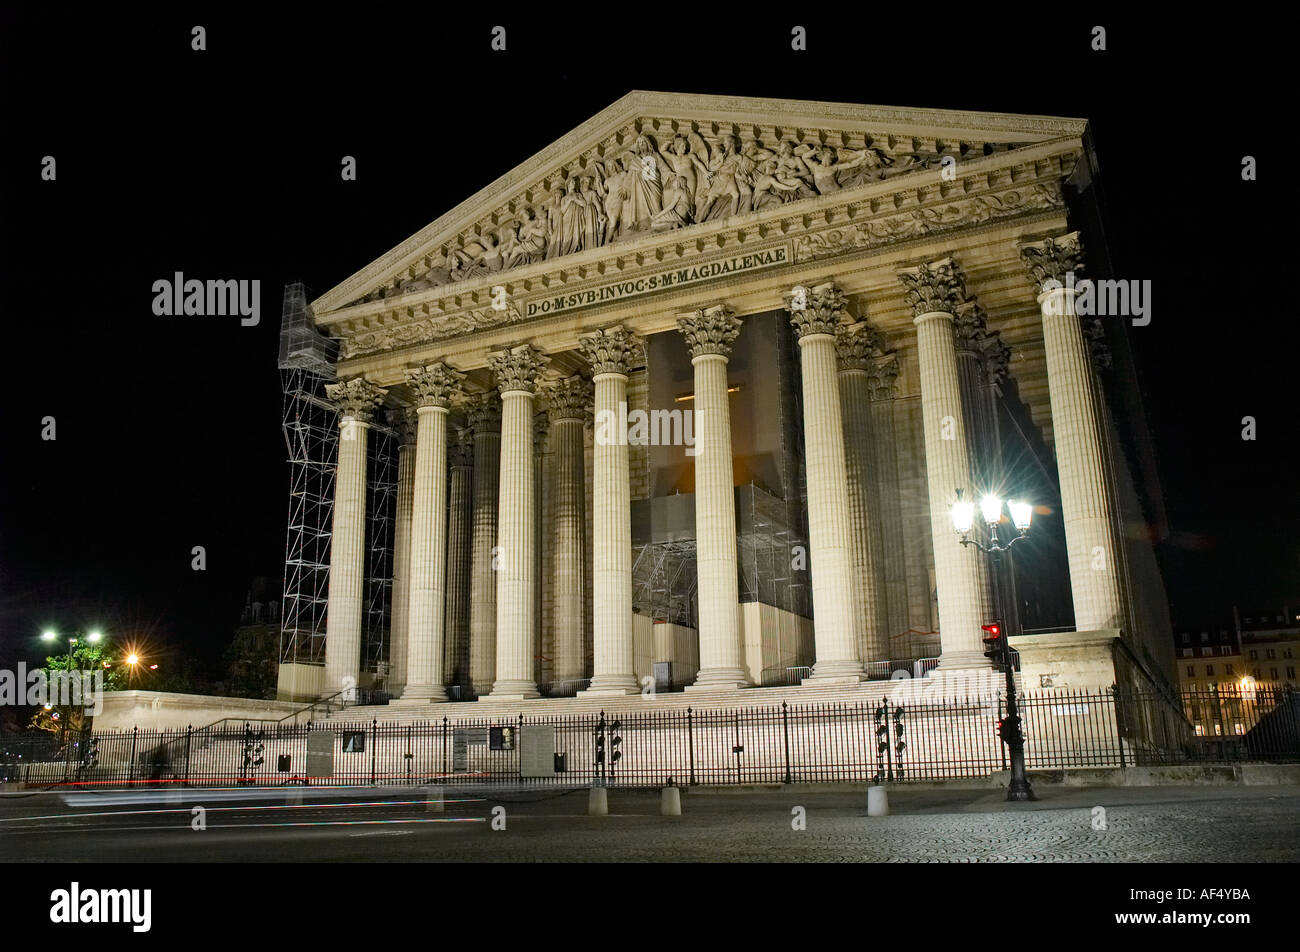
x=963 y=517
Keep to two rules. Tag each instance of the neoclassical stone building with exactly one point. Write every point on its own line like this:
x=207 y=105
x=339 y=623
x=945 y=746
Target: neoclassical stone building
x=689 y=394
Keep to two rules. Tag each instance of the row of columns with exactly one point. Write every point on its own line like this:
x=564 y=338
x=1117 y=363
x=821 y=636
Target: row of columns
x=854 y=518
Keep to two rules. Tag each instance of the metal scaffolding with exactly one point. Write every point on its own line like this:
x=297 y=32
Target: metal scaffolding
x=311 y=433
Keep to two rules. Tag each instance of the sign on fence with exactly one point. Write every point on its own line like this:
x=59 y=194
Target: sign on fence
x=320 y=754
x=537 y=751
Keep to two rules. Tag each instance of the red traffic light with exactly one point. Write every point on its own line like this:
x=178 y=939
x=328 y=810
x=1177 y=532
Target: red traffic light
x=993 y=630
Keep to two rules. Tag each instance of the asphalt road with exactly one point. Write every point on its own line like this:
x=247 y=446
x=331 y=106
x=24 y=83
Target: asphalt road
x=1150 y=824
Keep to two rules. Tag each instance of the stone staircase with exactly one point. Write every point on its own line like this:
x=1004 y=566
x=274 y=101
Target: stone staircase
x=867 y=693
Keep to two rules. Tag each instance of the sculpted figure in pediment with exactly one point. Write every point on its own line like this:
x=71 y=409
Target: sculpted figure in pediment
x=728 y=190
x=678 y=204
x=532 y=236
x=687 y=156
x=593 y=216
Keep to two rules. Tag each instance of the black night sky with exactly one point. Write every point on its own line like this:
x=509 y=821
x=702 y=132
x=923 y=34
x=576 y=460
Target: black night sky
x=225 y=163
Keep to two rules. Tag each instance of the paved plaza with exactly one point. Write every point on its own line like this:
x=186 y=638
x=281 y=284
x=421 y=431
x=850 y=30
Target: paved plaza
x=1147 y=824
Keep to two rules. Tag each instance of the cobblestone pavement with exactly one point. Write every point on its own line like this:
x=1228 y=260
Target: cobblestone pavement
x=1256 y=824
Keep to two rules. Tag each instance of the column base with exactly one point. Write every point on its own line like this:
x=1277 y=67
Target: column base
x=421 y=694
x=720 y=679
x=512 y=691
x=612 y=685
x=836 y=672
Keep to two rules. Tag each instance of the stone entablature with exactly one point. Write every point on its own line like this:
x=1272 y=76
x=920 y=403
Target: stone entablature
x=846 y=222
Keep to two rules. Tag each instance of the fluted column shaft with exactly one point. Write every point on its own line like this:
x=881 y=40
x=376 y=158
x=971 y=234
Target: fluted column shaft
x=428 y=558
x=483 y=577
x=516 y=371
x=517 y=565
x=356 y=400
x=870 y=617
x=893 y=557
x=957 y=575
x=1086 y=499
x=612 y=353
x=709 y=336
x=613 y=647
x=1088 y=503
x=459 y=535
x=401 y=567
x=569 y=507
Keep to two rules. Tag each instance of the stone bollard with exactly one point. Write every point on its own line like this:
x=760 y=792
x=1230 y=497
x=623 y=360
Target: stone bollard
x=670 y=801
x=877 y=801
x=433 y=802
x=598 y=802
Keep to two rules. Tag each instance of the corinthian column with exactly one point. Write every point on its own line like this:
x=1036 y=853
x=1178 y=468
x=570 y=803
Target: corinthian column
x=611 y=353
x=485 y=420
x=567 y=408
x=516 y=371
x=459 y=536
x=934 y=291
x=403 y=421
x=433 y=387
x=1087 y=499
x=356 y=400
x=816 y=314
x=893 y=558
x=709 y=335
x=856 y=343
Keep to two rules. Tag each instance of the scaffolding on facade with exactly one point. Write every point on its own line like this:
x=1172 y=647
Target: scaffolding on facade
x=768 y=552
x=310 y=425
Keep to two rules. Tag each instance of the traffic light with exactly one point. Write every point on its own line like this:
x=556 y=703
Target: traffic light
x=600 y=747
x=995 y=644
x=615 y=741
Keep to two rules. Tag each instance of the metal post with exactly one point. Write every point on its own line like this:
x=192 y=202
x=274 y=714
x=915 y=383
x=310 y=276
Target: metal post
x=135 y=733
x=785 y=721
x=374 y=737
x=444 y=746
x=690 y=742
x=189 y=730
x=1119 y=734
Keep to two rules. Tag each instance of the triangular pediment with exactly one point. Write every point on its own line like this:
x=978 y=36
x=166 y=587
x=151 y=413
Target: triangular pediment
x=669 y=162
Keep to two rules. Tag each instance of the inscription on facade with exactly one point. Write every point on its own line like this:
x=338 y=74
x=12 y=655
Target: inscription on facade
x=673 y=277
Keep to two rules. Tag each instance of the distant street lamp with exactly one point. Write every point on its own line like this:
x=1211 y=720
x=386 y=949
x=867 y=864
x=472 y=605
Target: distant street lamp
x=963 y=517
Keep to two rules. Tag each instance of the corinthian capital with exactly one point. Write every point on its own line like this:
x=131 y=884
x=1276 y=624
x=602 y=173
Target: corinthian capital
x=518 y=368
x=936 y=286
x=970 y=327
x=356 y=398
x=884 y=379
x=856 y=343
x=434 y=385
x=484 y=413
x=610 y=351
x=461 y=450
x=711 y=330
x=568 y=399
x=403 y=421
x=818 y=310
x=1050 y=261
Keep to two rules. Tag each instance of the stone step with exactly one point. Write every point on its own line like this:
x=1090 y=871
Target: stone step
x=867 y=693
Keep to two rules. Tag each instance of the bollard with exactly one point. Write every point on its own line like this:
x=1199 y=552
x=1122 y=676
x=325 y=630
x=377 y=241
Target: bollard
x=670 y=802
x=433 y=802
x=877 y=801
x=598 y=802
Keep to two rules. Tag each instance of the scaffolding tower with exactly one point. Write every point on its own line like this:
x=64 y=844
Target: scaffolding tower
x=311 y=433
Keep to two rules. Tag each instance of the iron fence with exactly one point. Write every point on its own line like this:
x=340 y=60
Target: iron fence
x=906 y=738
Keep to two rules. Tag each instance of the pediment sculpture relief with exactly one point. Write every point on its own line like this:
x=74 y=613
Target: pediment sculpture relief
x=658 y=185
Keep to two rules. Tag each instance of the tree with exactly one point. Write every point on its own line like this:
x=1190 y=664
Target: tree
x=82 y=656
